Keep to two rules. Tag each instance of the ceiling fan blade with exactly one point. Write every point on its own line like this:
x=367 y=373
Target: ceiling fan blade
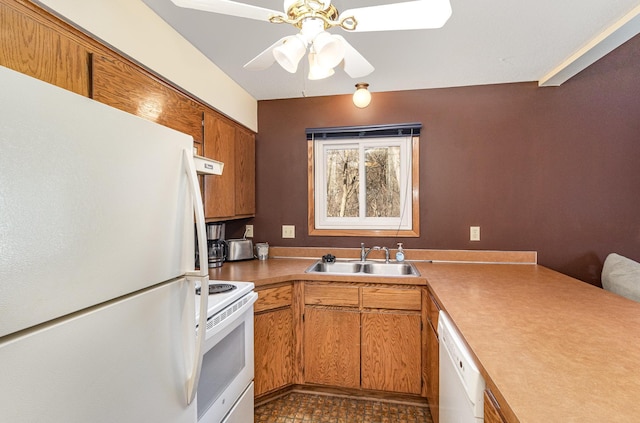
x=354 y=64
x=420 y=14
x=266 y=58
x=226 y=7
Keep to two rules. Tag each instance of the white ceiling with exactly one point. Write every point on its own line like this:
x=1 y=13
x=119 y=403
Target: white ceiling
x=484 y=42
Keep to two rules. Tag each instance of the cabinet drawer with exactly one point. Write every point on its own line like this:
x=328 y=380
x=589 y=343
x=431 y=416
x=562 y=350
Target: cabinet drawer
x=272 y=298
x=346 y=296
x=391 y=298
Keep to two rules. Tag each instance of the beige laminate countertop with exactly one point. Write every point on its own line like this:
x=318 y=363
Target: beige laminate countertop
x=556 y=349
x=271 y=271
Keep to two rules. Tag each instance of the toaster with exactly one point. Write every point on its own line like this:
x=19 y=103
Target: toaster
x=239 y=249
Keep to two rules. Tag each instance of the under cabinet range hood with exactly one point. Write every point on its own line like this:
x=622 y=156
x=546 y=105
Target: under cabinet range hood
x=207 y=166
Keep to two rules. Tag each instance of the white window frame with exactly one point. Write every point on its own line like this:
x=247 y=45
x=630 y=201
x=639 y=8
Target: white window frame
x=407 y=225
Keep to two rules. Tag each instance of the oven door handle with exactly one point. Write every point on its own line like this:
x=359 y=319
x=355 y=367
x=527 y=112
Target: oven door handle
x=201 y=275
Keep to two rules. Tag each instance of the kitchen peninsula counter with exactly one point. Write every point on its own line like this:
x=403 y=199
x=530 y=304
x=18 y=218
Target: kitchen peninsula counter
x=552 y=348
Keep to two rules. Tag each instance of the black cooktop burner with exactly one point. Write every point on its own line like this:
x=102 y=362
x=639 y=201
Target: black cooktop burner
x=218 y=288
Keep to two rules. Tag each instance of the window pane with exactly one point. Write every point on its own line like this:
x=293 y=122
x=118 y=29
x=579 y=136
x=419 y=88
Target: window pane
x=342 y=183
x=382 y=170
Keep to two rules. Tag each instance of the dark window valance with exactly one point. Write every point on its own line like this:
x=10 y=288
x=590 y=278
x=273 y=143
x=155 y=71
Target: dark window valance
x=368 y=131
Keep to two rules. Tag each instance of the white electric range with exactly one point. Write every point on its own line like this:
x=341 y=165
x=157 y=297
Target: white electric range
x=221 y=294
x=225 y=389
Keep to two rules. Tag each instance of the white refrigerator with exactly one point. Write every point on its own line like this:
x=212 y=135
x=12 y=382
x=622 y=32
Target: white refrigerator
x=97 y=210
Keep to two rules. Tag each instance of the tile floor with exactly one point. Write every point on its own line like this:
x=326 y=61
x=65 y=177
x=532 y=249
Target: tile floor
x=297 y=407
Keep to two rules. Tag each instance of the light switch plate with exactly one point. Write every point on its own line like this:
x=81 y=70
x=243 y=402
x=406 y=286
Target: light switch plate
x=474 y=233
x=288 y=231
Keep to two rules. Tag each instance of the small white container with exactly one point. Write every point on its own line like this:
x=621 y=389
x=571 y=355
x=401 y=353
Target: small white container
x=400 y=253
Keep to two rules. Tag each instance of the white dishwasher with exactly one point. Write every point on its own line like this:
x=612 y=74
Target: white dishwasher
x=461 y=384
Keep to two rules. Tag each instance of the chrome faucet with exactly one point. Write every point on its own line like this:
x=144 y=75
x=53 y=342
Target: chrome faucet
x=364 y=252
x=386 y=254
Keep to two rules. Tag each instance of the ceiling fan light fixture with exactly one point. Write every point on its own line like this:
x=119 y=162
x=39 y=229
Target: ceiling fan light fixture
x=288 y=54
x=329 y=49
x=316 y=71
x=362 y=96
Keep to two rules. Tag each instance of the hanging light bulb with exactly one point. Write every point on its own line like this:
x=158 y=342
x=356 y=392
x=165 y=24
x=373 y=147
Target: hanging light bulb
x=329 y=49
x=316 y=71
x=362 y=96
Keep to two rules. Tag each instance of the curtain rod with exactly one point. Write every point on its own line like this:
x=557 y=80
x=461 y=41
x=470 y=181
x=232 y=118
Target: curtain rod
x=366 y=131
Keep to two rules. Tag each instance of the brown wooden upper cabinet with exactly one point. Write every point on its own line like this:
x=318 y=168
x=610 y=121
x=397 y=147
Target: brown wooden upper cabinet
x=38 y=44
x=129 y=88
x=231 y=195
x=36 y=48
x=245 y=171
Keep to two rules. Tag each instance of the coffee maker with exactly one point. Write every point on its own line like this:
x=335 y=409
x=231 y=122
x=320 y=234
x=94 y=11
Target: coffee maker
x=216 y=245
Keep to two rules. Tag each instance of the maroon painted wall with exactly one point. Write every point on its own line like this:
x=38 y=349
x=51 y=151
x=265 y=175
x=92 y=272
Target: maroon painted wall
x=554 y=170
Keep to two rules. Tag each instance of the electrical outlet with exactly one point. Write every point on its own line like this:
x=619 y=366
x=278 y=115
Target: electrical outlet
x=288 y=231
x=474 y=233
x=248 y=232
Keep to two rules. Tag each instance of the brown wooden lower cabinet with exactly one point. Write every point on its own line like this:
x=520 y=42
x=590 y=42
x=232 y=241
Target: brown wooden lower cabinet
x=332 y=347
x=491 y=412
x=432 y=357
x=340 y=335
x=433 y=370
x=360 y=336
x=273 y=351
x=391 y=352
x=274 y=339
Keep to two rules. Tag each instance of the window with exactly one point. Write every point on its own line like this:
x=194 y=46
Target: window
x=364 y=185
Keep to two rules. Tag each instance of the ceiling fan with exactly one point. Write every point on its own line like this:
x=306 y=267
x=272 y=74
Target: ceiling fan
x=314 y=17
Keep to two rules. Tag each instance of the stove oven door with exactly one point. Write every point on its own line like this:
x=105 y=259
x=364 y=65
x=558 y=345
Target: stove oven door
x=227 y=365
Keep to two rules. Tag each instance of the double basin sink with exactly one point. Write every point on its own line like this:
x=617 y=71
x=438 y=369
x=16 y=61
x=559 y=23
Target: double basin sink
x=370 y=268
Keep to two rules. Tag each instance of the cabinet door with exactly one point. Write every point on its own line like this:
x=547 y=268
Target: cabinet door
x=245 y=189
x=332 y=347
x=31 y=47
x=273 y=350
x=391 y=352
x=491 y=409
x=219 y=140
x=433 y=370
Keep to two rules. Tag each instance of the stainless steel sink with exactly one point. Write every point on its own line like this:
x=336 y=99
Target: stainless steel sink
x=371 y=268
x=390 y=269
x=335 y=267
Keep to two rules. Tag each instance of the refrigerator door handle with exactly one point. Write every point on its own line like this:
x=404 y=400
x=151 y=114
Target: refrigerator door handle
x=201 y=275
